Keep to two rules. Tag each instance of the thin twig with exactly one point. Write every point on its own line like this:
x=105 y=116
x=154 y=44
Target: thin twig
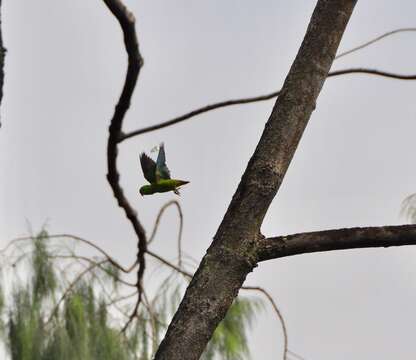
x=71 y=286
x=157 y=222
x=121 y=298
x=199 y=111
x=169 y=264
x=153 y=320
x=254 y=99
x=372 y=41
x=76 y=238
x=106 y=293
x=87 y=259
x=375 y=72
x=297 y=356
x=278 y=313
x=134 y=313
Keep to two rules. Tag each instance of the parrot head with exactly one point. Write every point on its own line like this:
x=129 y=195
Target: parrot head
x=146 y=190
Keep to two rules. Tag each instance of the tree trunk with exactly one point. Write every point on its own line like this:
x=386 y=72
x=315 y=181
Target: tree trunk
x=235 y=249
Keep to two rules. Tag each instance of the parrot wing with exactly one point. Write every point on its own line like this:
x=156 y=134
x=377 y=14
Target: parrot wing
x=148 y=167
x=162 y=171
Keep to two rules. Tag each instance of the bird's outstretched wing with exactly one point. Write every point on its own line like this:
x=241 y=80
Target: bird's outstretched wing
x=148 y=167
x=162 y=171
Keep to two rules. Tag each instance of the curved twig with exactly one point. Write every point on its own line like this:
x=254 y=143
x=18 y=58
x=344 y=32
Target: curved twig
x=135 y=62
x=90 y=261
x=372 y=41
x=157 y=222
x=76 y=238
x=199 y=111
x=254 y=99
x=278 y=313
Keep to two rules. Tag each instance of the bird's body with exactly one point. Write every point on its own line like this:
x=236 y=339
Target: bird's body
x=158 y=175
x=162 y=186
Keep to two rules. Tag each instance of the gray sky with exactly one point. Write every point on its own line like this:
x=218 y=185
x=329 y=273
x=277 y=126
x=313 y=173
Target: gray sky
x=64 y=72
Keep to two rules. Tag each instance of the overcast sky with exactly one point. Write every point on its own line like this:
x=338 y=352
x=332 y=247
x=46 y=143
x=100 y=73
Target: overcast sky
x=65 y=67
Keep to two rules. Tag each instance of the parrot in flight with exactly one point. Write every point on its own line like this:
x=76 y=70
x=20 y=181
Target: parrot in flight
x=158 y=175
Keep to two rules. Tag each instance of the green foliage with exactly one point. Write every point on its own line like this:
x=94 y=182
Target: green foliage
x=408 y=209
x=43 y=278
x=2 y=307
x=230 y=337
x=55 y=313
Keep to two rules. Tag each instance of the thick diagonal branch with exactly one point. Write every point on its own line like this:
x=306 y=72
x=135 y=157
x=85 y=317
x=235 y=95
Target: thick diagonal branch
x=232 y=255
x=135 y=62
x=341 y=239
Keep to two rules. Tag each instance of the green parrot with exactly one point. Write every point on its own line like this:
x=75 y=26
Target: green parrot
x=158 y=175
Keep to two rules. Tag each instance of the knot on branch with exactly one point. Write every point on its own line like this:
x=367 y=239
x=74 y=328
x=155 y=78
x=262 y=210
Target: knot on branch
x=248 y=260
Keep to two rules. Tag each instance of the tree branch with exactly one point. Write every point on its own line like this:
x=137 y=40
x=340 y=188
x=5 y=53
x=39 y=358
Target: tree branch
x=2 y=56
x=157 y=223
x=255 y=99
x=278 y=313
x=135 y=62
x=71 y=287
x=274 y=94
x=341 y=239
x=111 y=260
x=232 y=254
x=373 y=41
x=199 y=111
x=376 y=72
x=169 y=264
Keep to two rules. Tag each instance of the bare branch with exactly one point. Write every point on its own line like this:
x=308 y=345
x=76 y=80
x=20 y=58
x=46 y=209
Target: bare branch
x=274 y=94
x=96 y=263
x=278 y=313
x=121 y=298
x=341 y=239
x=199 y=111
x=254 y=99
x=135 y=62
x=157 y=222
x=297 y=356
x=134 y=313
x=76 y=238
x=372 y=41
x=2 y=56
x=169 y=264
x=71 y=286
x=153 y=320
x=376 y=72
